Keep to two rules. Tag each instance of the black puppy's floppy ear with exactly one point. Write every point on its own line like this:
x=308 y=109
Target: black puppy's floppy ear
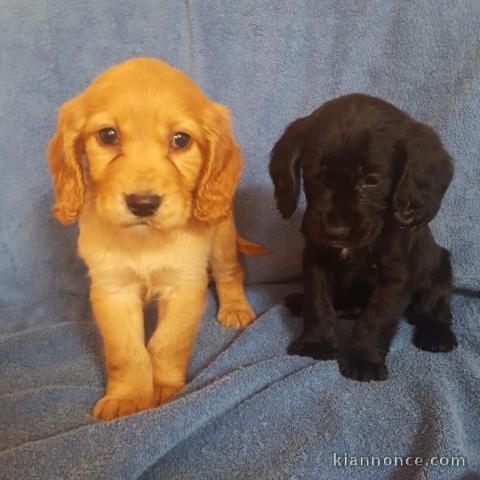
x=427 y=172
x=285 y=167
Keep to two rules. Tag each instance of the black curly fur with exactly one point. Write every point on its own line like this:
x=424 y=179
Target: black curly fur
x=373 y=178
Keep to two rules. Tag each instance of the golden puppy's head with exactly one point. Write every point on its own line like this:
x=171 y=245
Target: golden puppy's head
x=149 y=147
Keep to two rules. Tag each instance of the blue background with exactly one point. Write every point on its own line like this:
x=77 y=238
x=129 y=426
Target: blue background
x=251 y=411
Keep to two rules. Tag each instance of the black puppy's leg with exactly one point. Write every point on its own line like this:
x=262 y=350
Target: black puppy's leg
x=430 y=311
x=318 y=339
x=295 y=303
x=364 y=358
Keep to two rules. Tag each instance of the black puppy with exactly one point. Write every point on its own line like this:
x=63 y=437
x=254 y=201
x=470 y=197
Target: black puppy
x=373 y=179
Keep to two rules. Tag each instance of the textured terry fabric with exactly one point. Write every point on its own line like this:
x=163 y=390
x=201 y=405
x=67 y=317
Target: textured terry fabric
x=250 y=411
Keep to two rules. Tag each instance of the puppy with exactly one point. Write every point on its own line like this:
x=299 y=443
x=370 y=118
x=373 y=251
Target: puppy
x=149 y=166
x=373 y=179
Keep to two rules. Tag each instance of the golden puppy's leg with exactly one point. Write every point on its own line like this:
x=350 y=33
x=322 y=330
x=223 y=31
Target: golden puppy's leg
x=119 y=316
x=171 y=345
x=234 y=310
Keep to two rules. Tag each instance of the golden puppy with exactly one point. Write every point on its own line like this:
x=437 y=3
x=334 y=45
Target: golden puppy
x=149 y=166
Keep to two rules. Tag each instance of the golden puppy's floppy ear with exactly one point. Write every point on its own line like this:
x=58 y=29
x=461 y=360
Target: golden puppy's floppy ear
x=63 y=155
x=221 y=169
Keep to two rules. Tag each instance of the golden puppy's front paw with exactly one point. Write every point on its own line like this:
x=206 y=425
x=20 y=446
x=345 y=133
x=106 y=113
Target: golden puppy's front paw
x=236 y=315
x=165 y=392
x=110 y=406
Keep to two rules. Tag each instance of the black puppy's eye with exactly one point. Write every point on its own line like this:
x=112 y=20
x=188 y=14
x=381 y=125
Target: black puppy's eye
x=108 y=136
x=371 y=180
x=180 y=140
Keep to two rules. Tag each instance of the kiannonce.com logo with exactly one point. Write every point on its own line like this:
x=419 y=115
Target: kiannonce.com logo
x=346 y=460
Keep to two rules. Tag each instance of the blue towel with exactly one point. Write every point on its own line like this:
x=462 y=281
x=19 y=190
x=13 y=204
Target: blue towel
x=249 y=410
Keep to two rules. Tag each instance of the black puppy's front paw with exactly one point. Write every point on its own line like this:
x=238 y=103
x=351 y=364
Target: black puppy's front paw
x=362 y=370
x=435 y=337
x=322 y=350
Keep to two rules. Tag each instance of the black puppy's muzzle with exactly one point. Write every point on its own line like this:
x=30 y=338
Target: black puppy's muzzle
x=334 y=227
x=336 y=232
x=338 y=228
x=326 y=229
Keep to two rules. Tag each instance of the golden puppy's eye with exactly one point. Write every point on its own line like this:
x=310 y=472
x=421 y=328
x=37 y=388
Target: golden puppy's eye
x=180 y=140
x=108 y=136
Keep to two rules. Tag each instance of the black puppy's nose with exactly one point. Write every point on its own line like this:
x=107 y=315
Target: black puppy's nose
x=142 y=204
x=337 y=231
x=335 y=226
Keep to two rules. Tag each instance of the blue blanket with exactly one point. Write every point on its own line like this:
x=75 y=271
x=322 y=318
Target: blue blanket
x=249 y=410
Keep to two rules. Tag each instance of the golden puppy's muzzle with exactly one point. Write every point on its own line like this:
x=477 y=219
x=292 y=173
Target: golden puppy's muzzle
x=143 y=204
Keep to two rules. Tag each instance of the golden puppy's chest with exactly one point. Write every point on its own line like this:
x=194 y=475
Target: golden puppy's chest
x=156 y=262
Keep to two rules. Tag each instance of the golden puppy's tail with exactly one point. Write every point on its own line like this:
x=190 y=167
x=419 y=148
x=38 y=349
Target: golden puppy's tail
x=249 y=248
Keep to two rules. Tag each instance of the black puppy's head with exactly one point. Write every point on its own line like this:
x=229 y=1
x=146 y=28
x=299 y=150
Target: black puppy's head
x=364 y=163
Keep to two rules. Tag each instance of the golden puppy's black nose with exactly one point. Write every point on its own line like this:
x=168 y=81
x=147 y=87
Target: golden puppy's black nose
x=143 y=204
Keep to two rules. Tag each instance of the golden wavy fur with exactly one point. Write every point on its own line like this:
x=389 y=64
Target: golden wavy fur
x=142 y=104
